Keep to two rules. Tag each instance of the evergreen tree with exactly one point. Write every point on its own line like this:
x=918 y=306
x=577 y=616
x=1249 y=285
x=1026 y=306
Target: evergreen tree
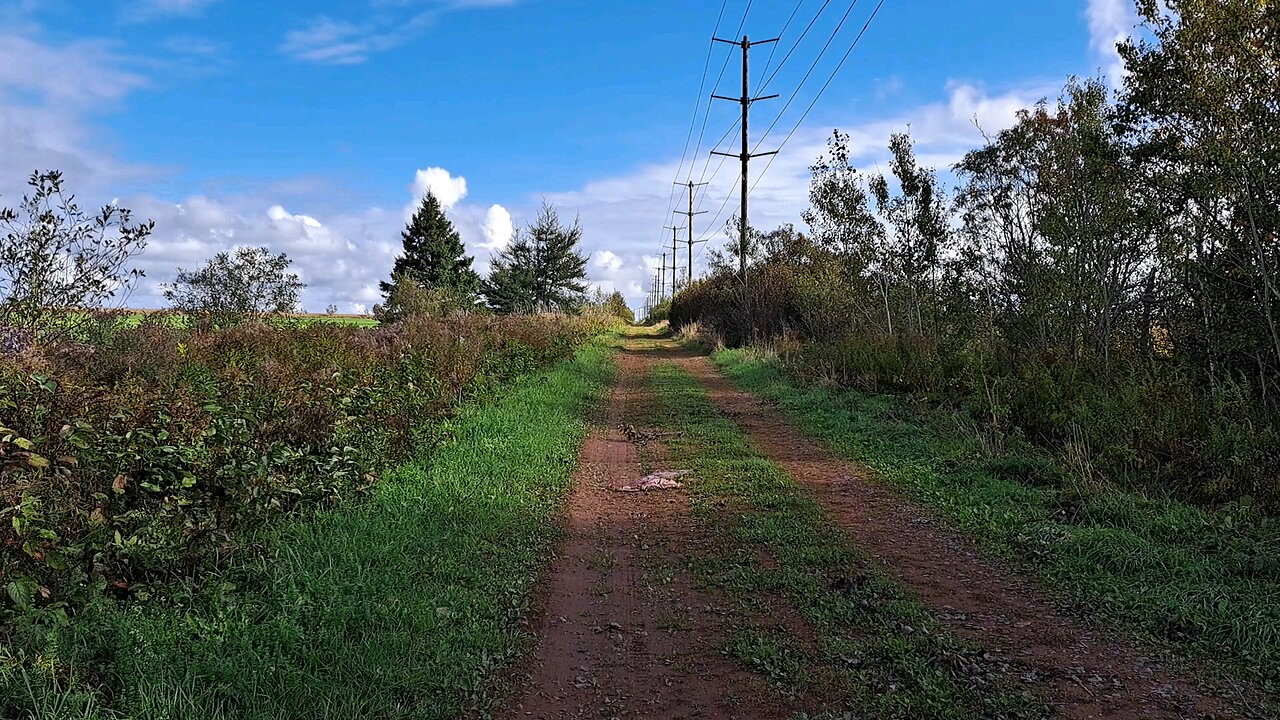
x=511 y=286
x=434 y=256
x=541 y=271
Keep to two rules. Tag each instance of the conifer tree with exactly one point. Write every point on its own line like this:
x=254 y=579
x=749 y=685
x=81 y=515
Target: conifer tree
x=434 y=256
x=512 y=285
x=542 y=270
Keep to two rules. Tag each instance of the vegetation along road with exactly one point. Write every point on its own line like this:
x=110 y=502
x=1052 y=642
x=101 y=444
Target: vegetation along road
x=985 y=425
x=789 y=576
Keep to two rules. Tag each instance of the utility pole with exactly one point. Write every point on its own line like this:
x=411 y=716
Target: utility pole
x=746 y=155
x=674 y=262
x=689 y=215
x=662 y=279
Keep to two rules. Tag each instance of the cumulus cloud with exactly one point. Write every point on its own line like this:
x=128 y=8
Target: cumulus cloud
x=606 y=260
x=497 y=227
x=449 y=190
x=341 y=261
x=1110 y=23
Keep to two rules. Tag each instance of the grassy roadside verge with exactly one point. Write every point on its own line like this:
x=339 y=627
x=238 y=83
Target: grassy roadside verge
x=1203 y=583
x=400 y=606
x=863 y=646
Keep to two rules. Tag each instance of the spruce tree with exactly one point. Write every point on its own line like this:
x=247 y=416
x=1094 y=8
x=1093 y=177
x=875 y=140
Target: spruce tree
x=541 y=271
x=512 y=283
x=561 y=270
x=434 y=256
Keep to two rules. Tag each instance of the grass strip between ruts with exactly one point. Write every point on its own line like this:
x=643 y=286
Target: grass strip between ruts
x=1202 y=583
x=407 y=604
x=866 y=647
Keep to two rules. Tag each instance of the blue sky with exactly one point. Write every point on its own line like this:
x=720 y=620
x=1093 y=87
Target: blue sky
x=310 y=127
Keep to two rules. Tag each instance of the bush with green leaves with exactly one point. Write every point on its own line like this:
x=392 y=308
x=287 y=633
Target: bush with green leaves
x=56 y=260
x=141 y=459
x=236 y=286
x=407 y=297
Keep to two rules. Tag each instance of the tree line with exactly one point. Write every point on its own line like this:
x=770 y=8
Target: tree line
x=542 y=268
x=1103 y=276
x=58 y=259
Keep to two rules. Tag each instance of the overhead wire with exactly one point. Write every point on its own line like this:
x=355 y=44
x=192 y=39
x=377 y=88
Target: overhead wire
x=770 y=78
x=773 y=48
x=706 y=115
x=812 y=66
x=794 y=45
x=813 y=102
x=693 y=121
x=821 y=90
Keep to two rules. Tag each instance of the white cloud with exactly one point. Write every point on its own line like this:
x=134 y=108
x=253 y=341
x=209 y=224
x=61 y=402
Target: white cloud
x=1110 y=23
x=327 y=41
x=76 y=74
x=606 y=260
x=144 y=10
x=449 y=190
x=47 y=92
x=497 y=227
x=341 y=261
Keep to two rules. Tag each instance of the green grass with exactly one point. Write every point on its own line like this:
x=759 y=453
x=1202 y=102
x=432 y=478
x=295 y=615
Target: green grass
x=862 y=646
x=1206 y=584
x=409 y=604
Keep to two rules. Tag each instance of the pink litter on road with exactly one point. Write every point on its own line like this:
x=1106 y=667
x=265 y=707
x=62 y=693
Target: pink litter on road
x=665 y=480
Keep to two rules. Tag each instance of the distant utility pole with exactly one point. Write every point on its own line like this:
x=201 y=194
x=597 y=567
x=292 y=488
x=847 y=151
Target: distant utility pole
x=662 y=279
x=746 y=155
x=673 y=230
x=689 y=215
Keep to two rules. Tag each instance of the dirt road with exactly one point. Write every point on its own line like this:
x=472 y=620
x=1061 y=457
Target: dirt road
x=624 y=632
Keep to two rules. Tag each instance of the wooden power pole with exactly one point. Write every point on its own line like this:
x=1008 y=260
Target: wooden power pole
x=673 y=230
x=746 y=154
x=689 y=268
x=662 y=279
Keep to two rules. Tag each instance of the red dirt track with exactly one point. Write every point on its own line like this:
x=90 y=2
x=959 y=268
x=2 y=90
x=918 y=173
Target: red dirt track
x=624 y=634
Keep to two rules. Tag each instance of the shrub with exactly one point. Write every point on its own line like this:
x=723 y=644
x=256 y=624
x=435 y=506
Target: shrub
x=55 y=258
x=230 y=288
x=1127 y=421
x=142 y=458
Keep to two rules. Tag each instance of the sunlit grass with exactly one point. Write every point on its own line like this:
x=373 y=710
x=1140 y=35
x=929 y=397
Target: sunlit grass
x=409 y=604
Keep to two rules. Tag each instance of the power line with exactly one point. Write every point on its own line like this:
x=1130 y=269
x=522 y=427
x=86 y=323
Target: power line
x=693 y=121
x=773 y=50
x=707 y=164
x=746 y=101
x=698 y=103
x=785 y=58
x=770 y=73
x=823 y=89
x=796 y=93
x=707 y=113
x=690 y=214
x=795 y=45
